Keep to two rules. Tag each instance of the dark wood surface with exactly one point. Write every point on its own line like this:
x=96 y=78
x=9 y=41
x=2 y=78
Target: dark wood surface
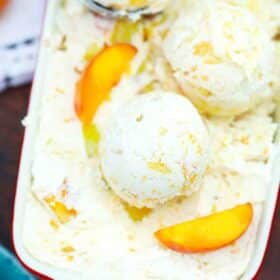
x=13 y=106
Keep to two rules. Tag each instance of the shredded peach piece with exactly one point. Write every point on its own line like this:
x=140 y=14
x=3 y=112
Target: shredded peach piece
x=63 y=213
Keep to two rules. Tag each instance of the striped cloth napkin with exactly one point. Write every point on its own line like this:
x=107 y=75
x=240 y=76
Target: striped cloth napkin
x=20 y=25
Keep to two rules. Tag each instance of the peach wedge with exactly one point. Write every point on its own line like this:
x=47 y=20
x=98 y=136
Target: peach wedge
x=207 y=233
x=100 y=76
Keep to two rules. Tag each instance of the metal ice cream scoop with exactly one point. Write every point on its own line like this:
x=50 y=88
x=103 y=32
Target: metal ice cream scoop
x=111 y=12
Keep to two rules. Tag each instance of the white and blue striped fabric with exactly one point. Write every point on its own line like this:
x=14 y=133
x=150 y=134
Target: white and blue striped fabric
x=20 y=25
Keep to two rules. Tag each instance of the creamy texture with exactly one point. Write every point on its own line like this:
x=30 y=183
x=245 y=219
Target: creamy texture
x=222 y=56
x=93 y=234
x=154 y=148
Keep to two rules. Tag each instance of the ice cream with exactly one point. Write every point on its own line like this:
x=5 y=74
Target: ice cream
x=222 y=56
x=154 y=148
x=66 y=218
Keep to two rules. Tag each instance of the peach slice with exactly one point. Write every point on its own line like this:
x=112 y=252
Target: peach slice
x=101 y=75
x=207 y=233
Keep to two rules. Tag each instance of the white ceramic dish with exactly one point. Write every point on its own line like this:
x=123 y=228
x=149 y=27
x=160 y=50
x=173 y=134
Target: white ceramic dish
x=24 y=177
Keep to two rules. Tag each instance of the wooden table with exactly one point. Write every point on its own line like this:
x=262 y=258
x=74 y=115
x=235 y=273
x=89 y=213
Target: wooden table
x=13 y=106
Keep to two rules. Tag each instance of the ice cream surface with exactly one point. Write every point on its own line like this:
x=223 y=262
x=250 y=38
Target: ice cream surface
x=221 y=55
x=154 y=149
x=71 y=219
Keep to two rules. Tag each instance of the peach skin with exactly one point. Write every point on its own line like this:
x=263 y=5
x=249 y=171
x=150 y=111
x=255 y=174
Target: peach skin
x=207 y=233
x=100 y=76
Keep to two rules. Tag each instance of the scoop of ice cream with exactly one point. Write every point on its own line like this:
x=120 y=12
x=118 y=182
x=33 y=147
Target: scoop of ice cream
x=154 y=5
x=153 y=149
x=222 y=56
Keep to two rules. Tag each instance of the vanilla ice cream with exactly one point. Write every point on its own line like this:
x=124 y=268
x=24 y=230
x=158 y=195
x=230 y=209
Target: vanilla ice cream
x=67 y=219
x=276 y=72
x=154 y=149
x=222 y=56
